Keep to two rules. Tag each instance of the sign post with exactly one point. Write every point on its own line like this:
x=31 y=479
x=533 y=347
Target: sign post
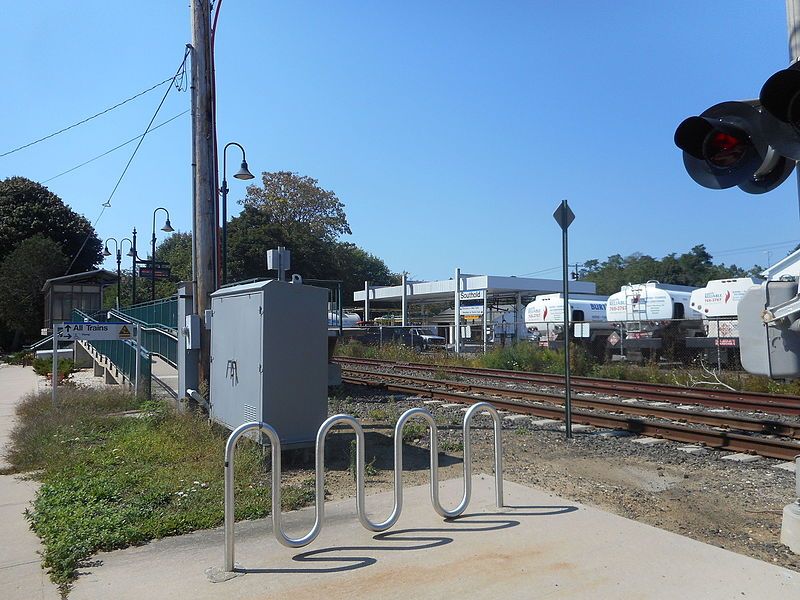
x=564 y=217
x=92 y=331
x=54 y=374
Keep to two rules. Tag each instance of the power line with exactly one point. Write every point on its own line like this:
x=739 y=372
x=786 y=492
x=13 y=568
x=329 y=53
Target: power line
x=179 y=77
x=87 y=119
x=130 y=141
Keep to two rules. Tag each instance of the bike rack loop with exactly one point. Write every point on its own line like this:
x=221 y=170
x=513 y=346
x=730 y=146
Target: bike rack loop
x=319 y=508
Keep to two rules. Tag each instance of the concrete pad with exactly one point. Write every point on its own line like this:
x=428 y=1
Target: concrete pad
x=786 y=466
x=695 y=450
x=576 y=428
x=430 y=402
x=741 y=457
x=545 y=422
x=21 y=574
x=516 y=418
x=540 y=546
x=649 y=441
x=17 y=382
x=452 y=405
x=614 y=433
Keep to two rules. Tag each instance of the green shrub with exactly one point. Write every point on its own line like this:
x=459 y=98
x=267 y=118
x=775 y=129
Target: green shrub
x=44 y=367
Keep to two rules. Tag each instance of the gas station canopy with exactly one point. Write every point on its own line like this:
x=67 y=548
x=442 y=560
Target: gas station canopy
x=498 y=288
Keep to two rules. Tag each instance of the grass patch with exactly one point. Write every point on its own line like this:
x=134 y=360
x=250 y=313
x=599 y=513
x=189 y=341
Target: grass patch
x=110 y=481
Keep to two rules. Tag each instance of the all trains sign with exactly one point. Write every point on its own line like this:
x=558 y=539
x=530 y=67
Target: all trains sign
x=94 y=331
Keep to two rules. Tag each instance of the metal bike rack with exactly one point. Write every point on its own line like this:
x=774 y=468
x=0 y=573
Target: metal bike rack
x=319 y=507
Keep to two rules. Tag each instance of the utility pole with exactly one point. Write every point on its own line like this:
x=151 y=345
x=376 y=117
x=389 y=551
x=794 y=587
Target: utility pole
x=205 y=192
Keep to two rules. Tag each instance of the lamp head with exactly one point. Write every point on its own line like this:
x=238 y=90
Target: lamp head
x=106 y=252
x=244 y=172
x=167 y=227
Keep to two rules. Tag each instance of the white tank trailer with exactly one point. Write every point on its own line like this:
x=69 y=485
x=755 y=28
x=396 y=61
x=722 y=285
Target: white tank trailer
x=654 y=320
x=717 y=303
x=348 y=319
x=544 y=321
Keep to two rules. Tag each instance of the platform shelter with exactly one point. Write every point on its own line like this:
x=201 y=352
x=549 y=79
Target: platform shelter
x=83 y=291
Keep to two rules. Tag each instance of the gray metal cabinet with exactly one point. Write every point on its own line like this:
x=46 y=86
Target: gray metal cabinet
x=269 y=358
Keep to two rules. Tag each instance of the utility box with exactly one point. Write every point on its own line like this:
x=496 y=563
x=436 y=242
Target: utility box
x=269 y=358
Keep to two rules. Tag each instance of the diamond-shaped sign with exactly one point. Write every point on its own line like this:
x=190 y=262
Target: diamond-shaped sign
x=564 y=215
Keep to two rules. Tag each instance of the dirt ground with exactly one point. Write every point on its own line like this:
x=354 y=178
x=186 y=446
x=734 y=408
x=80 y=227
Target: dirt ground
x=731 y=505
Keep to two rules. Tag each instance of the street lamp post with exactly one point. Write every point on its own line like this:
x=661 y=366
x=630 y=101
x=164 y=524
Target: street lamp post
x=133 y=254
x=243 y=173
x=168 y=228
x=118 y=246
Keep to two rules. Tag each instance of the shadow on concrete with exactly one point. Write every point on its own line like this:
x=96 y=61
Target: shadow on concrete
x=414 y=539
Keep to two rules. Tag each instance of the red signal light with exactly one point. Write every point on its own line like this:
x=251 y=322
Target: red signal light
x=723 y=149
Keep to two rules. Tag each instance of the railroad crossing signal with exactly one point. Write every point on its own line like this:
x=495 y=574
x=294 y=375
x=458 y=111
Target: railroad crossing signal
x=752 y=144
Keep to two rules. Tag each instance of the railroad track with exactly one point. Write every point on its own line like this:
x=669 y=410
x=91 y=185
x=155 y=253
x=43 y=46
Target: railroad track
x=548 y=405
x=743 y=401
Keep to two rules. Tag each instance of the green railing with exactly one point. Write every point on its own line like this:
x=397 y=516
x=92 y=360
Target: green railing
x=121 y=352
x=158 y=339
x=163 y=312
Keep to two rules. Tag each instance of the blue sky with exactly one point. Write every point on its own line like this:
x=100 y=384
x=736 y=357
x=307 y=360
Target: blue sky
x=450 y=130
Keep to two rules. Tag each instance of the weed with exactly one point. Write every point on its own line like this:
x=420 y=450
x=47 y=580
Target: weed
x=450 y=446
x=370 y=470
x=414 y=431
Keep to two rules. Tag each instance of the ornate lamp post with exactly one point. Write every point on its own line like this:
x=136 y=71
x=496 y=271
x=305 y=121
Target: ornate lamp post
x=168 y=228
x=118 y=247
x=243 y=173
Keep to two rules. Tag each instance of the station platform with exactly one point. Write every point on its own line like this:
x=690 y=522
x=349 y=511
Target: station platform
x=538 y=546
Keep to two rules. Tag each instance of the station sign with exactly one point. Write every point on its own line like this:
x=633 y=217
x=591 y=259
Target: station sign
x=471 y=303
x=468 y=295
x=92 y=331
x=146 y=273
x=471 y=311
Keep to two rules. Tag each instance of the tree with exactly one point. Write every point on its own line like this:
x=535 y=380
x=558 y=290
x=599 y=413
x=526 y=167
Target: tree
x=694 y=268
x=22 y=274
x=255 y=231
x=290 y=199
x=28 y=208
x=177 y=251
x=355 y=265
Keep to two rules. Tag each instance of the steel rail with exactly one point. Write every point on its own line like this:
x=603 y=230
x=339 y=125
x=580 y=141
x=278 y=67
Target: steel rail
x=721 y=440
x=676 y=414
x=752 y=401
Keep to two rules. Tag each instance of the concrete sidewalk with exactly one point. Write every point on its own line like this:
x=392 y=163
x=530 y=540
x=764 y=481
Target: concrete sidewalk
x=541 y=546
x=21 y=574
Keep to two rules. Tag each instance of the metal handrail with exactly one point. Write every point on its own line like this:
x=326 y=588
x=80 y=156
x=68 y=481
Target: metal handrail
x=319 y=507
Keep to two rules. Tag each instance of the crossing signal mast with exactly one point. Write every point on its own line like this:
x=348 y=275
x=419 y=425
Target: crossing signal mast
x=755 y=145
